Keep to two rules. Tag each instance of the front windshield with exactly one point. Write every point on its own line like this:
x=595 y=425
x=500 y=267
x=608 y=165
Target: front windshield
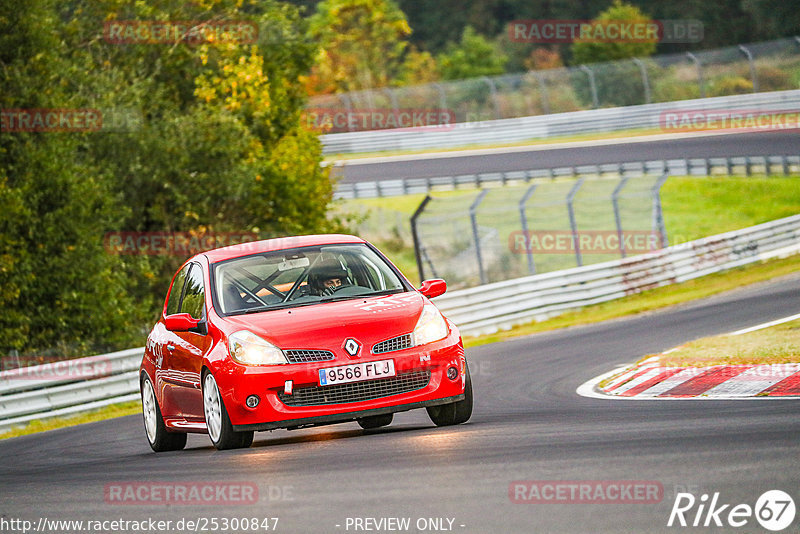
x=302 y=276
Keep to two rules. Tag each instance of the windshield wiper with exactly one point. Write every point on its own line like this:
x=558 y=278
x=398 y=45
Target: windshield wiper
x=277 y=307
x=334 y=298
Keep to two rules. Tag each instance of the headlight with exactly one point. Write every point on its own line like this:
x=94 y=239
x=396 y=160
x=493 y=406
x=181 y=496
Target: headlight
x=247 y=348
x=430 y=327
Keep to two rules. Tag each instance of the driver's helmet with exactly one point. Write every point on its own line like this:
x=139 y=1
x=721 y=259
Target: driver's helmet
x=323 y=271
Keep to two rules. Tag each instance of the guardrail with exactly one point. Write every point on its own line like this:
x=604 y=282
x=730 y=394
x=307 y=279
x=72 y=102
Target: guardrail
x=68 y=387
x=752 y=67
x=746 y=165
x=646 y=116
x=492 y=307
x=72 y=386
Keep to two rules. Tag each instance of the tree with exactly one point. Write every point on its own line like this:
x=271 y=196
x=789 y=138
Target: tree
x=362 y=44
x=60 y=290
x=419 y=67
x=472 y=57
x=584 y=52
x=217 y=146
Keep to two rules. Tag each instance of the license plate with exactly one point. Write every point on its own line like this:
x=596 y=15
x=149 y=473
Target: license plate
x=356 y=372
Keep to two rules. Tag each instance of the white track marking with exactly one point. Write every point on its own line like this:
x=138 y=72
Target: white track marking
x=765 y=325
x=652 y=373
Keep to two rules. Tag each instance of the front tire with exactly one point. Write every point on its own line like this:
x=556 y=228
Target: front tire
x=375 y=421
x=219 y=426
x=158 y=436
x=457 y=412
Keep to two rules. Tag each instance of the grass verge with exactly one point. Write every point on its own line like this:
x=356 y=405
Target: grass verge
x=776 y=344
x=108 y=412
x=653 y=299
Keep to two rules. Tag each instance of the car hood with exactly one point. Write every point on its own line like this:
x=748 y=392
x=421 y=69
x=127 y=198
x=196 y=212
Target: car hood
x=327 y=326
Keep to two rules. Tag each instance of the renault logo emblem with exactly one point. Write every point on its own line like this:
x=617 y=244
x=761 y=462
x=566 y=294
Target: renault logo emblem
x=351 y=346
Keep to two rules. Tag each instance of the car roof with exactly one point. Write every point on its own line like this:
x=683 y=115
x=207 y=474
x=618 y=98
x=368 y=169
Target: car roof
x=280 y=243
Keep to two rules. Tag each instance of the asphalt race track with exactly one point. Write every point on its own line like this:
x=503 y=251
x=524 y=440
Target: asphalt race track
x=745 y=144
x=528 y=424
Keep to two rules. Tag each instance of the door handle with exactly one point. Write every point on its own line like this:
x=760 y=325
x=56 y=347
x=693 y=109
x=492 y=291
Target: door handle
x=170 y=347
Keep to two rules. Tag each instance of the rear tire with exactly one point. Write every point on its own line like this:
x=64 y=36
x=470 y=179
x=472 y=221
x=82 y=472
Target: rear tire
x=375 y=421
x=160 y=439
x=457 y=412
x=219 y=426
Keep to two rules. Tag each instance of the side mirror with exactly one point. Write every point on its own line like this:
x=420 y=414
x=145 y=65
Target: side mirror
x=180 y=322
x=433 y=288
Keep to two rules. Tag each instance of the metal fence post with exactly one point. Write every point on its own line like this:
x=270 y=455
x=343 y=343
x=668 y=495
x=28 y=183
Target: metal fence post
x=348 y=106
x=523 y=217
x=473 y=212
x=392 y=98
x=617 y=216
x=700 y=83
x=12 y=362
x=543 y=90
x=658 y=215
x=753 y=75
x=645 y=81
x=592 y=85
x=442 y=95
x=573 y=225
x=493 y=91
x=426 y=258
x=415 y=236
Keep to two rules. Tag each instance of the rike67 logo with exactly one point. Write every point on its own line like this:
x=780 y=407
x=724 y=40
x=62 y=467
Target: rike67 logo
x=774 y=510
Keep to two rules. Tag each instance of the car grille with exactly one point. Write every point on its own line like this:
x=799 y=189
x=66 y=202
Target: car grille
x=304 y=356
x=356 y=391
x=391 y=345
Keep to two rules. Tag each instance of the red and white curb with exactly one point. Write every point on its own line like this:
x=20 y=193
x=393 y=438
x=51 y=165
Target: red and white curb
x=650 y=380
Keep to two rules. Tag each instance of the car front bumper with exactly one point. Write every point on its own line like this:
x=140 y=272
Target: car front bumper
x=421 y=380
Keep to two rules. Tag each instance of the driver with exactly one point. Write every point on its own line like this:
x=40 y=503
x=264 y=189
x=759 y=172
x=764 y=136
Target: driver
x=326 y=277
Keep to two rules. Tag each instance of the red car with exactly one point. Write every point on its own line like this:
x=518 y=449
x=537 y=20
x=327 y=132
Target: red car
x=293 y=333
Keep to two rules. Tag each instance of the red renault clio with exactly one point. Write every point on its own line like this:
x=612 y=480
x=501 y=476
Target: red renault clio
x=293 y=333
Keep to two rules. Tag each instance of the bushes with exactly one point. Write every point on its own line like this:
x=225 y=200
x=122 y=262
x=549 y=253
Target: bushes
x=219 y=148
x=732 y=85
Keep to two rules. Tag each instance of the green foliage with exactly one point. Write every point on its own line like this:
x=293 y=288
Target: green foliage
x=618 y=83
x=472 y=57
x=731 y=85
x=214 y=144
x=594 y=52
x=773 y=79
x=362 y=44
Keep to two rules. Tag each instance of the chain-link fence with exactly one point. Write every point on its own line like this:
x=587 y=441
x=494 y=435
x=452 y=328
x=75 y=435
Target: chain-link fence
x=499 y=234
x=768 y=66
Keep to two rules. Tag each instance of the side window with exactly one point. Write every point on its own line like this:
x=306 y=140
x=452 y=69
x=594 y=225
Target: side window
x=175 y=293
x=193 y=295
